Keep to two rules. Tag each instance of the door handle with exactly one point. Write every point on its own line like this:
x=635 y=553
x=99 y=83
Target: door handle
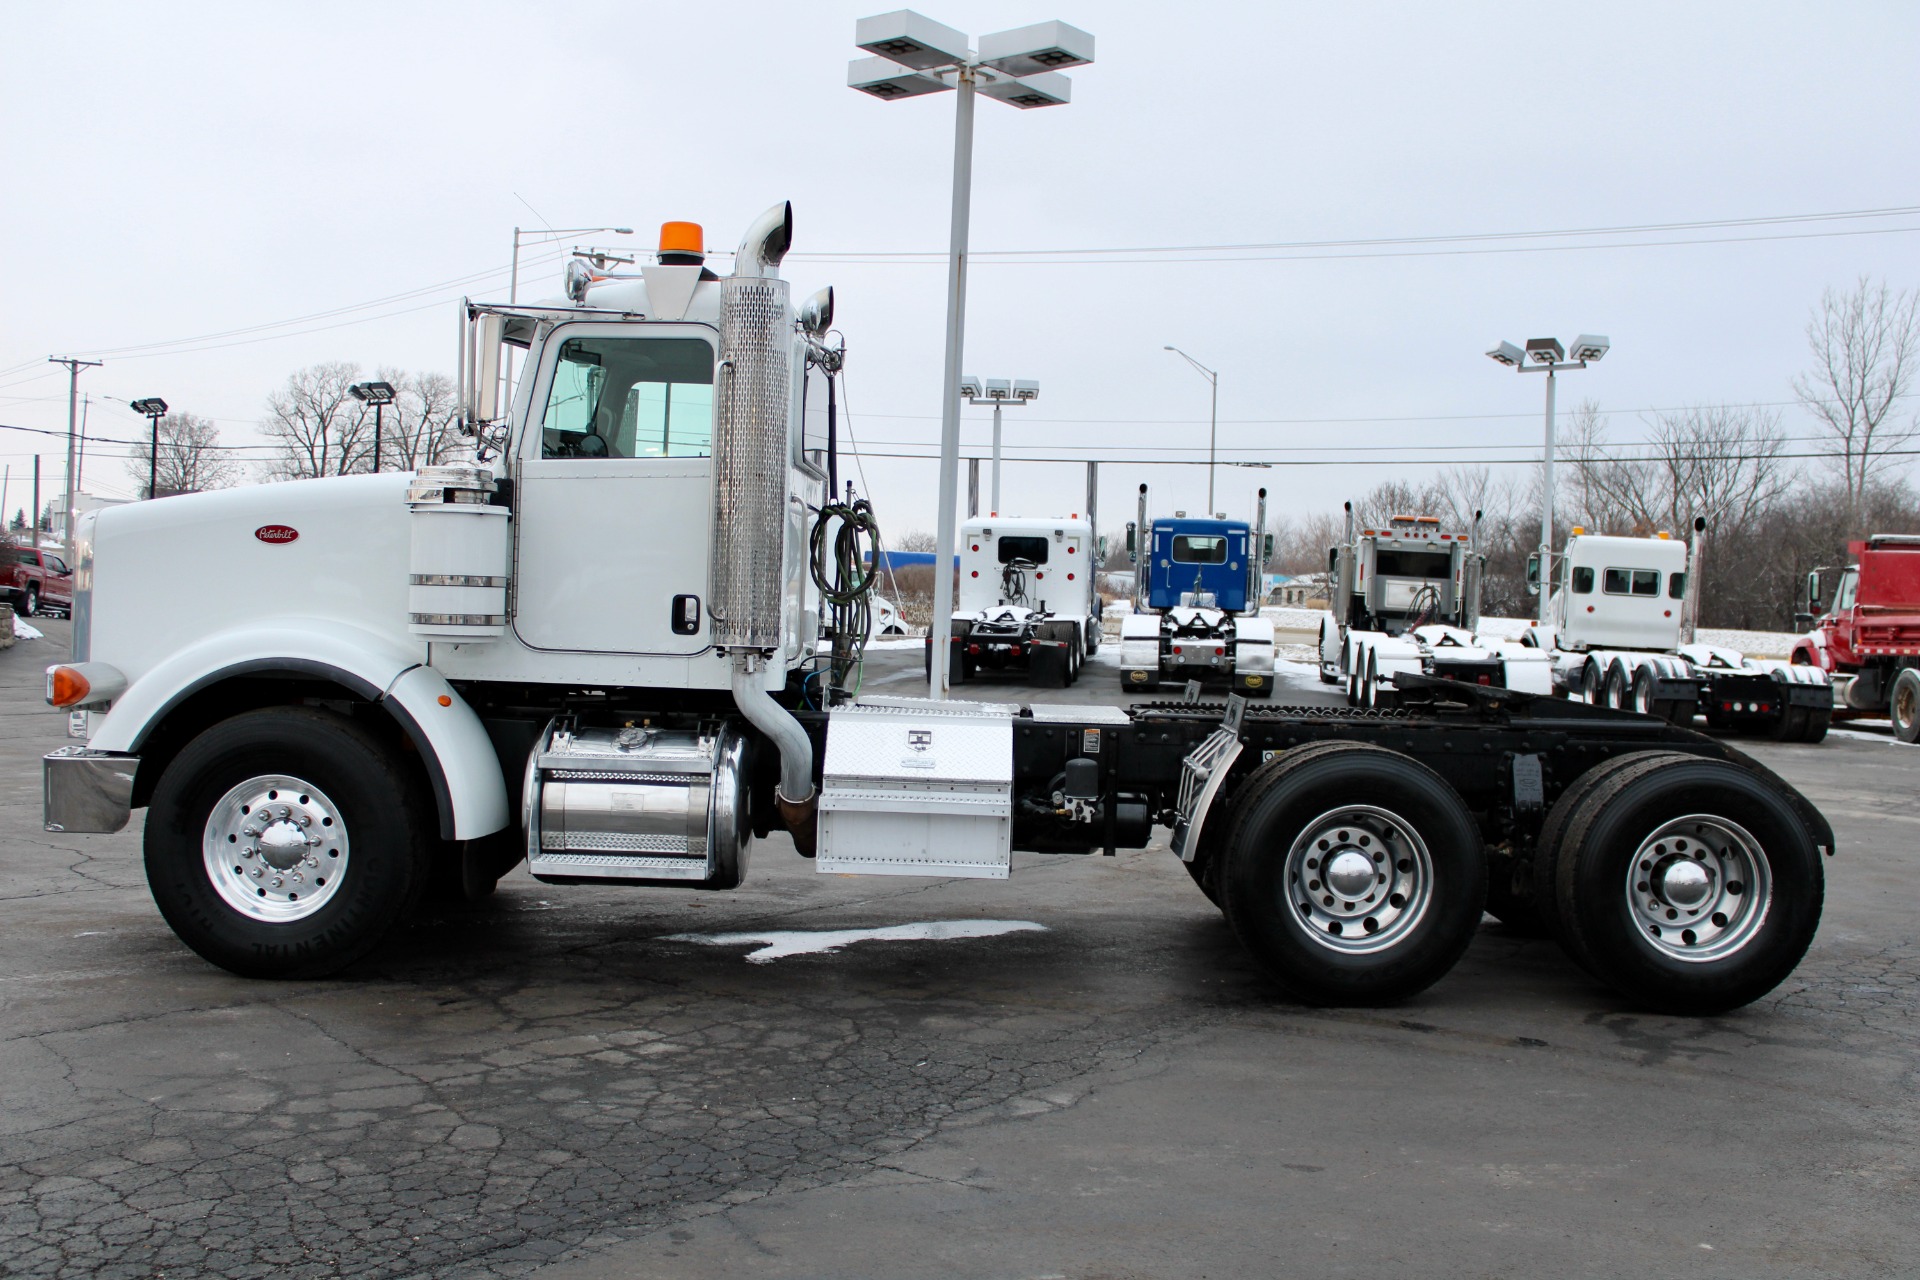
x=686 y=615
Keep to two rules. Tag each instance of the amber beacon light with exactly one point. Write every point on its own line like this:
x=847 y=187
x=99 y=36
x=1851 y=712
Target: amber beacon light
x=682 y=242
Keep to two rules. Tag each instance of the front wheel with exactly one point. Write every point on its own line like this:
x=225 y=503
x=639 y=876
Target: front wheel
x=1353 y=874
x=287 y=842
x=1687 y=884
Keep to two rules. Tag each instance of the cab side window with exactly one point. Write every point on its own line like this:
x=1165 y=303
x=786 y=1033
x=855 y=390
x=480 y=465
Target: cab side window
x=1583 y=580
x=630 y=398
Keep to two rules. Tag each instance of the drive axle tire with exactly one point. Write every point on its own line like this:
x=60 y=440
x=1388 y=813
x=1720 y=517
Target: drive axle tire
x=1819 y=720
x=287 y=842
x=1903 y=706
x=1688 y=885
x=31 y=604
x=1353 y=874
x=1553 y=830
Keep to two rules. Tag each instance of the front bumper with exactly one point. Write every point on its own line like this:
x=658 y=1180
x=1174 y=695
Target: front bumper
x=87 y=790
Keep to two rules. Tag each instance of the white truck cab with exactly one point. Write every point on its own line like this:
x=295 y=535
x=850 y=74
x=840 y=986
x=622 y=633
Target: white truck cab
x=1620 y=623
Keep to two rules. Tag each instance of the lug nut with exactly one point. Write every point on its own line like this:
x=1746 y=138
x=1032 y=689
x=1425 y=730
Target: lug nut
x=255 y=873
x=276 y=882
x=248 y=852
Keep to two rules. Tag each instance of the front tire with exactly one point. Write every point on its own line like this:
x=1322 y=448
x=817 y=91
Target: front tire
x=1688 y=885
x=287 y=842
x=1353 y=874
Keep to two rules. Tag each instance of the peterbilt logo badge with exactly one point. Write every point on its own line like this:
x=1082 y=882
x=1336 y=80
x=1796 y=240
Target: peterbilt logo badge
x=276 y=533
x=920 y=739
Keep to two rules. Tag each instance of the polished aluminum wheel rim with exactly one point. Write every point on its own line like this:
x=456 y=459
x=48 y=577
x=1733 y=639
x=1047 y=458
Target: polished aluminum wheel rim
x=1699 y=888
x=1643 y=696
x=1359 y=879
x=275 y=848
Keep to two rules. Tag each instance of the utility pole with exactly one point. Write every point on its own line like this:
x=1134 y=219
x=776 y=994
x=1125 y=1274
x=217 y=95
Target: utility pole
x=34 y=523
x=74 y=366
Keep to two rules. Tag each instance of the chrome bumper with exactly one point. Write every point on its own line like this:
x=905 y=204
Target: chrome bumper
x=87 y=790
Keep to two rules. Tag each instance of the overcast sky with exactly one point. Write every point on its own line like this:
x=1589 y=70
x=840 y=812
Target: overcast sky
x=176 y=171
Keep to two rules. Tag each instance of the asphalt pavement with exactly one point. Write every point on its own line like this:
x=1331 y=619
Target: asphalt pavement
x=563 y=1083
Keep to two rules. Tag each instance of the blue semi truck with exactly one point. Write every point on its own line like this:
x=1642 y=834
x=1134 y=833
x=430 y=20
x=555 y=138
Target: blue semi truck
x=1196 y=603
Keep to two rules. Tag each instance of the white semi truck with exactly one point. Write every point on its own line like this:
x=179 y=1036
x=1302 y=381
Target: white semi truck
x=591 y=647
x=1620 y=627
x=1405 y=599
x=1027 y=603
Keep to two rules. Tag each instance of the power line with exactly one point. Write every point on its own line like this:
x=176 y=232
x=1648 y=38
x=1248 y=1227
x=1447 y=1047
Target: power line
x=1895 y=211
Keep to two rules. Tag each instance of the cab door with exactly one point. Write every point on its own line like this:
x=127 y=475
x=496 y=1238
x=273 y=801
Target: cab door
x=614 y=503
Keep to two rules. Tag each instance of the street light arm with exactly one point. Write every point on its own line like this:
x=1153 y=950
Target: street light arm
x=1211 y=375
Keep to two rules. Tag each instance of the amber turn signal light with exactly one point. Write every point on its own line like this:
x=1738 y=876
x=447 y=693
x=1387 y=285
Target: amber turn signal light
x=65 y=687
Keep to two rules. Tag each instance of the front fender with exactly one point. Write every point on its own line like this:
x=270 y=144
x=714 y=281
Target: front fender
x=468 y=787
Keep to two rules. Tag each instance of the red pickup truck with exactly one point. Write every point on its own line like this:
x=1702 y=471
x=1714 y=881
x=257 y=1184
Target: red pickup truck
x=1870 y=638
x=34 y=581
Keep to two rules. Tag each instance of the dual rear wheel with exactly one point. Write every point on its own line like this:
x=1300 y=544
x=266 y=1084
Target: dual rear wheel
x=1356 y=876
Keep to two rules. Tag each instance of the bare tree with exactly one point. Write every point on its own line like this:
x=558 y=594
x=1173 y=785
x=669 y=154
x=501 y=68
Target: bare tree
x=320 y=428
x=419 y=427
x=191 y=458
x=1720 y=462
x=916 y=540
x=1866 y=354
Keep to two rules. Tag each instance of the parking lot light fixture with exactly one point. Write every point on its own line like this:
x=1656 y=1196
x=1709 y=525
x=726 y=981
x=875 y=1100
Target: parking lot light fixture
x=155 y=409
x=1001 y=393
x=912 y=55
x=379 y=395
x=1546 y=355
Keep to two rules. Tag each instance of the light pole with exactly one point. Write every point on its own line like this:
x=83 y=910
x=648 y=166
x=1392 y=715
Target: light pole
x=1213 y=419
x=379 y=395
x=1546 y=355
x=155 y=409
x=1001 y=393
x=74 y=366
x=915 y=55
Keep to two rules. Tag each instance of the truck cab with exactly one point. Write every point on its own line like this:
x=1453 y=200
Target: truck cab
x=1197 y=563
x=1026 y=601
x=1869 y=639
x=1618 y=593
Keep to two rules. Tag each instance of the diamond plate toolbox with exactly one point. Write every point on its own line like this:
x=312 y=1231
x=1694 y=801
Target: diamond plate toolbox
x=918 y=791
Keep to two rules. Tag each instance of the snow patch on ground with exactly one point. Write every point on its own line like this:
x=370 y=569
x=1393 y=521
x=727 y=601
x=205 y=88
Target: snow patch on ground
x=25 y=630
x=780 y=943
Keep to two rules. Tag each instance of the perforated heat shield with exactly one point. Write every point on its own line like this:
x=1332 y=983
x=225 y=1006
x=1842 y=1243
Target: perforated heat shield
x=750 y=463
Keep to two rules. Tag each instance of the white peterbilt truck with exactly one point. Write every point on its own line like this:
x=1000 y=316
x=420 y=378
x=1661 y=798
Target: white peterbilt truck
x=1027 y=601
x=1620 y=625
x=1405 y=599
x=591 y=647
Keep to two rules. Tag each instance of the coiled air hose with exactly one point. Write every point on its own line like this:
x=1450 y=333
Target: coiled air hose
x=844 y=555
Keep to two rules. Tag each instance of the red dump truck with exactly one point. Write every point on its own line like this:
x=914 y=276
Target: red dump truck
x=1869 y=640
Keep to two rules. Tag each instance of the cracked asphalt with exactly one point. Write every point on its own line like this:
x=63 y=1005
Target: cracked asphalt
x=549 y=1085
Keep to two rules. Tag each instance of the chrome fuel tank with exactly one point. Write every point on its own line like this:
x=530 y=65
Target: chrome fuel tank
x=638 y=804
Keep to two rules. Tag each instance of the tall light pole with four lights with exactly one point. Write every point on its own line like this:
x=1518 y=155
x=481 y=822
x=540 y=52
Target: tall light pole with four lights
x=1001 y=393
x=1546 y=355
x=914 y=55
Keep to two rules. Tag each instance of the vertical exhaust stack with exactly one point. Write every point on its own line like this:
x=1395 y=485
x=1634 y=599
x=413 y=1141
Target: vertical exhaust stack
x=1696 y=555
x=750 y=499
x=1257 y=557
x=1471 y=573
x=1142 y=550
